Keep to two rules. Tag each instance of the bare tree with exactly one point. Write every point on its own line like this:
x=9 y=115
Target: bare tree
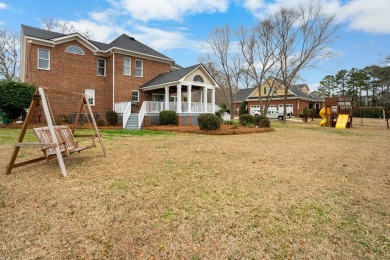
x=258 y=48
x=64 y=27
x=228 y=63
x=9 y=55
x=303 y=35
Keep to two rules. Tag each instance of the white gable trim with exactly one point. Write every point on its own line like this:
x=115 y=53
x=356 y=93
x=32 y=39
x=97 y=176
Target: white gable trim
x=205 y=72
x=139 y=54
x=77 y=37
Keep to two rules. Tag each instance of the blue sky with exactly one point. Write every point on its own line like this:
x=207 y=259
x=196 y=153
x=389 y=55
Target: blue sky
x=179 y=28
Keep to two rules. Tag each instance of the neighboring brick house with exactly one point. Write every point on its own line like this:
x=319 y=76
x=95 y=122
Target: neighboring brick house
x=298 y=98
x=116 y=76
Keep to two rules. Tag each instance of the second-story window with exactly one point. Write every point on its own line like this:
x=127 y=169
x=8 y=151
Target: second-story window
x=101 y=67
x=138 y=68
x=127 y=66
x=75 y=50
x=44 y=59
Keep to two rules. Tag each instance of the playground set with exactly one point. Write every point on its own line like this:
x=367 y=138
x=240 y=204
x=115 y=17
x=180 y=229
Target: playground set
x=337 y=112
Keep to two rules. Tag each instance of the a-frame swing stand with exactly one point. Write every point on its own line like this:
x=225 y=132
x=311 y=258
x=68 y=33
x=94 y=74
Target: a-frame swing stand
x=54 y=141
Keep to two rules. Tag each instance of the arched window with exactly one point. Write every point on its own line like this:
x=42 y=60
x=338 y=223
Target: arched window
x=75 y=50
x=198 y=78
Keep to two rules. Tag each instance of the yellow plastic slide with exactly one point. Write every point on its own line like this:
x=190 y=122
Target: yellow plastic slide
x=342 y=121
x=322 y=114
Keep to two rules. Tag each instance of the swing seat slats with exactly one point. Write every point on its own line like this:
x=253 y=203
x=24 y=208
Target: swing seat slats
x=66 y=141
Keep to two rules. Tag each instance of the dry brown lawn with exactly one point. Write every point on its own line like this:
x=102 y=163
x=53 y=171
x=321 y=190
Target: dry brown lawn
x=299 y=192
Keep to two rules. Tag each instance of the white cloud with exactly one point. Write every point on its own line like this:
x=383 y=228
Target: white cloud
x=372 y=16
x=161 y=10
x=3 y=6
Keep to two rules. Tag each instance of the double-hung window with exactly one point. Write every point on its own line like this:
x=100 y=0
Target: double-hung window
x=127 y=66
x=90 y=95
x=43 y=59
x=138 y=68
x=101 y=67
x=134 y=96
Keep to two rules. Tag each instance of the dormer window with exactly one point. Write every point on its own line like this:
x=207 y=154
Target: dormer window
x=75 y=50
x=198 y=78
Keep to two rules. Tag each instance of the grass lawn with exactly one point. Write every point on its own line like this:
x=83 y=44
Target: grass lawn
x=301 y=191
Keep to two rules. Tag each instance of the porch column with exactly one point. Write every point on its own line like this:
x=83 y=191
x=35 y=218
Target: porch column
x=213 y=100
x=178 y=108
x=189 y=98
x=166 y=98
x=205 y=99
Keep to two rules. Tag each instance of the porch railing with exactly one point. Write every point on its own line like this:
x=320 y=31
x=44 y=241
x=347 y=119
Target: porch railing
x=141 y=114
x=196 y=107
x=126 y=114
x=120 y=107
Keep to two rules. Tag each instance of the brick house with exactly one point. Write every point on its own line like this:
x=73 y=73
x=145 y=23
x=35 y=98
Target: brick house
x=298 y=98
x=124 y=75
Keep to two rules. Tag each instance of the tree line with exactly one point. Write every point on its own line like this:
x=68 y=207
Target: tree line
x=369 y=86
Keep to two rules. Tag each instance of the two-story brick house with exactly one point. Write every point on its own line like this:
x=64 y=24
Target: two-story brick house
x=124 y=75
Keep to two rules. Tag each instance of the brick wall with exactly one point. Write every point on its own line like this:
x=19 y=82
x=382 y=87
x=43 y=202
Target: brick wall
x=125 y=84
x=72 y=72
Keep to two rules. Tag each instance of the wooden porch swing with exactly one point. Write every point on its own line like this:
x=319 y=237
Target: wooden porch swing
x=55 y=141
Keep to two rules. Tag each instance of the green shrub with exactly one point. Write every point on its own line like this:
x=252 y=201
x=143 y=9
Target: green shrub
x=245 y=119
x=264 y=122
x=15 y=98
x=257 y=118
x=100 y=122
x=243 y=108
x=219 y=114
x=209 y=122
x=168 y=117
x=112 y=117
x=228 y=122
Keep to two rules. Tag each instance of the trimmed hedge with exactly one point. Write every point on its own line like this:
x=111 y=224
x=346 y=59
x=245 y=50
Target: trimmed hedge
x=246 y=119
x=168 y=117
x=209 y=122
x=264 y=122
x=112 y=118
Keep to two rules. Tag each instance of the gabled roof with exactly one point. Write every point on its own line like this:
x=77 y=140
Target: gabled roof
x=123 y=42
x=172 y=76
x=40 y=33
x=244 y=94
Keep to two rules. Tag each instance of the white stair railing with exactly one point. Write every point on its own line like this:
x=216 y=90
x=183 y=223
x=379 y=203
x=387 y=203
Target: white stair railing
x=126 y=114
x=141 y=114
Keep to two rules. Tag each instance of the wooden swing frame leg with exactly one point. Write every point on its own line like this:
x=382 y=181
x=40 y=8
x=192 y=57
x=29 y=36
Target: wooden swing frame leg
x=26 y=122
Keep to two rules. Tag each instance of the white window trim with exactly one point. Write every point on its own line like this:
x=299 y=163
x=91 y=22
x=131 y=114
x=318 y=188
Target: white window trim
x=137 y=96
x=93 y=96
x=73 y=52
x=127 y=67
x=142 y=68
x=97 y=67
x=48 y=67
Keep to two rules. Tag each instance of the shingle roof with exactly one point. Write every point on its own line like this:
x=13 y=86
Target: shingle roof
x=244 y=93
x=124 y=41
x=171 y=76
x=40 y=33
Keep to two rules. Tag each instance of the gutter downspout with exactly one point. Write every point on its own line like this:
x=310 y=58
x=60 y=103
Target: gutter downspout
x=113 y=80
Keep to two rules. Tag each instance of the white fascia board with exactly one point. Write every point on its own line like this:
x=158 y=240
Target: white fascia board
x=78 y=38
x=139 y=54
x=200 y=84
x=168 y=84
x=34 y=40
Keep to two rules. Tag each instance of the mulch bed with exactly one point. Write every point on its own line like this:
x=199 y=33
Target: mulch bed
x=224 y=130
